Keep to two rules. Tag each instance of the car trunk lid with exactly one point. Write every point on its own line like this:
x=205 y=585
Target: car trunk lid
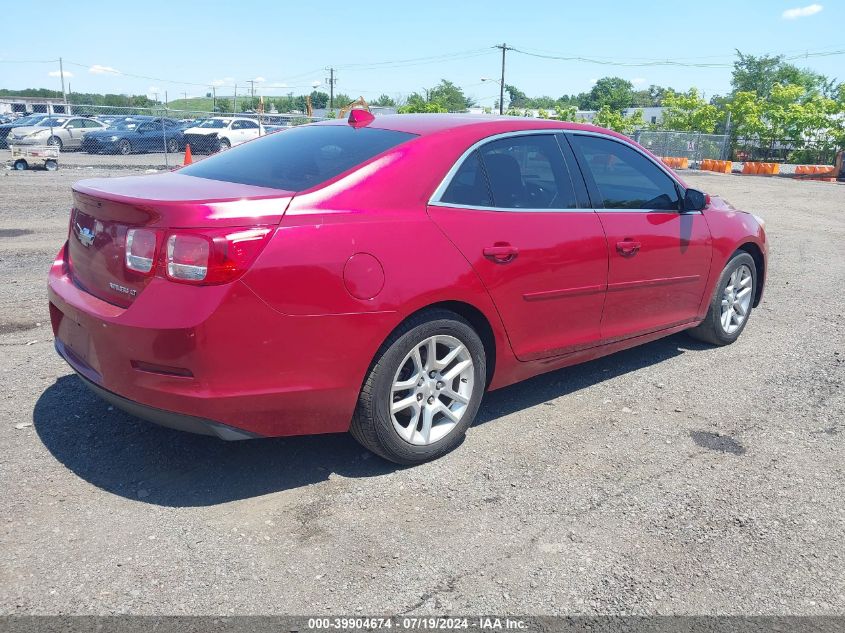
x=105 y=209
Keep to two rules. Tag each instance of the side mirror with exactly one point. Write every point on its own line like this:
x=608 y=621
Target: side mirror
x=695 y=200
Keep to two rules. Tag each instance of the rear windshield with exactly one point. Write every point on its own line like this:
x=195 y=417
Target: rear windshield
x=297 y=158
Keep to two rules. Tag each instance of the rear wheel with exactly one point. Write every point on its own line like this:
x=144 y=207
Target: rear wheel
x=731 y=304
x=54 y=141
x=223 y=144
x=172 y=145
x=21 y=164
x=423 y=391
x=51 y=165
x=124 y=147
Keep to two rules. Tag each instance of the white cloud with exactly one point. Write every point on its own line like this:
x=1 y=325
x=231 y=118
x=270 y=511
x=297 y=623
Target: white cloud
x=97 y=69
x=802 y=12
x=316 y=83
x=154 y=89
x=638 y=81
x=56 y=73
x=594 y=80
x=259 y=80
x=226 y=81
x=277 y=85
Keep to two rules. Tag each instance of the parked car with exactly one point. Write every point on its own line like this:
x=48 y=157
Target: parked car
x=136 y=135
x=380 y=275
x=62 y=132
x=221 y=133
x=6 y=128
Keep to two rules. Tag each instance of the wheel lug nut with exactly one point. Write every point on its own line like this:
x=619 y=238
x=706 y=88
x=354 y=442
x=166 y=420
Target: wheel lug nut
x=439 y=385
x=431 y=399
x=419 y=396
x=431 y=374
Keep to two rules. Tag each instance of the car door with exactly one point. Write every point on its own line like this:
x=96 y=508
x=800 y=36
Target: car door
x=72 y=135
x=659 y=254
x=511 y=206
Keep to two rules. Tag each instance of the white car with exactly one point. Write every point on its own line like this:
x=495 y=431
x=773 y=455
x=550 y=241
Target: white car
x=220 y=133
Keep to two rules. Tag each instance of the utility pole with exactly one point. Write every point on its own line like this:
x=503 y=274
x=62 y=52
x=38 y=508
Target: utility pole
x=504 y=48
x=185 y=94
x=235 y=100
x=214 y=98
x=165 y=100
x=62 y=75
x=331 y=81
x=251 y=83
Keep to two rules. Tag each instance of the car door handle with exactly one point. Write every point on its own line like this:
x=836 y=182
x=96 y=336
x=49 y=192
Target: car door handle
x=501 y=253
x=628 y=248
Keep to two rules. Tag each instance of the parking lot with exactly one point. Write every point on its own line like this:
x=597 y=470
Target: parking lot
x=671 y=478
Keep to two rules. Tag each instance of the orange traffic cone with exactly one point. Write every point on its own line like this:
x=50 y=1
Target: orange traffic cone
x=188 y=158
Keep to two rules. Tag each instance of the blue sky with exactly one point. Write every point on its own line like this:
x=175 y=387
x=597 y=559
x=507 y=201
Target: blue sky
x=185 y=47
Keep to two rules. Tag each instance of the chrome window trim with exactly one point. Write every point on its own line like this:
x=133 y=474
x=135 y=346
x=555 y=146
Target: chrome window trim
x=435 y=199
x=510 y=209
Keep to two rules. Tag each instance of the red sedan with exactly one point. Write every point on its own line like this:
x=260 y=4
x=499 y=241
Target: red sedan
x=379 y=275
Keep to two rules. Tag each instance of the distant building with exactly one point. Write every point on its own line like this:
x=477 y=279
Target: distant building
x=33 y=105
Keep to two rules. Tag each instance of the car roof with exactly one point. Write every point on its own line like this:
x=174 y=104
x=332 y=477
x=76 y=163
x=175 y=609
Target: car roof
x=425 y=124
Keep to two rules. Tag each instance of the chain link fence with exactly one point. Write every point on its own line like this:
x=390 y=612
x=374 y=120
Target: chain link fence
x=692 y=145
x=107 y=136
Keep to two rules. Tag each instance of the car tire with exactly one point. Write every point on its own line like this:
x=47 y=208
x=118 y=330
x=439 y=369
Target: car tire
x=400 y=435
x=51 y=165
x=124 y=147
x=223 y=144
x=172 y=145
x=20 y=165
x=730 y=308
x=55 y=141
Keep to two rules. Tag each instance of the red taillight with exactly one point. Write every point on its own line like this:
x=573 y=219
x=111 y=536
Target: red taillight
x=187 y=257
x=212 y=257
x=140 y=250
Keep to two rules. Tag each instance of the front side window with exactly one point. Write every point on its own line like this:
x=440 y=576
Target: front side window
x=298 y=158
x=527 y=172
x=625 y=178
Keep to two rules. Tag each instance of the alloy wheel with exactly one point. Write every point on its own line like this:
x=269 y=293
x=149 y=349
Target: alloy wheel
x=431 y=390
x=736 y=299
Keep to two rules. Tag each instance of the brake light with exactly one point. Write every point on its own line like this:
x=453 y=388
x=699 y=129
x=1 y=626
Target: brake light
x=195 y=256
x=212 y=257
x=140 y=250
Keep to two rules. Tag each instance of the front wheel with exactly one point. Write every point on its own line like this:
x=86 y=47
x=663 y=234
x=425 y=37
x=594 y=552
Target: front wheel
x=54 y=141
x=124 y=147
x=423 y=390
x=172 y=145
x=731 y=304
x=223 y=144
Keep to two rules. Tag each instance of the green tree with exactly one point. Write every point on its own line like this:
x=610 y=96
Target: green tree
x=609 y=118
x=760 y=74
x=319 y=99
x=449 y=96
x=689 y=112
x=516 y=98
x=384 y=101
x=444 y=97
x=613 y=92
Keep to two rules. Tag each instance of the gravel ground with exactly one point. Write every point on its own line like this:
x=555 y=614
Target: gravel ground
x=672 y=478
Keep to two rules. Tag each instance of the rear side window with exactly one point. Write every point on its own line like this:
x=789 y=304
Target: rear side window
x=298 y=158
x=624 y=177
x=469 y=185
x=528 y=172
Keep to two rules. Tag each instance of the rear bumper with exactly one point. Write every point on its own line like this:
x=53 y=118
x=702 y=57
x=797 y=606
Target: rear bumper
x=169 y=419
x=215 y=355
